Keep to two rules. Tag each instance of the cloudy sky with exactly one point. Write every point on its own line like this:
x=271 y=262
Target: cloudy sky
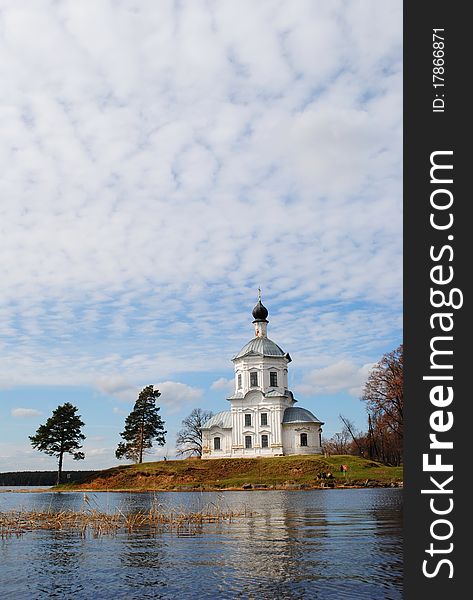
x=160 y=161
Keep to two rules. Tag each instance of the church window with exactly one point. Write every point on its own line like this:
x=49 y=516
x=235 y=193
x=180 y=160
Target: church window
x=239 y=380
x=303 y=439
x=264 y=418
x=247 y=420
x=253 y=379
x=248 y=441
x=216 y=443
x=273 y=379
x=264 y=441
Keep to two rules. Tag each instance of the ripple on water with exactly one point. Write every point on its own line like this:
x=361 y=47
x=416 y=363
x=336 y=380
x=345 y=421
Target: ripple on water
x=328 y=544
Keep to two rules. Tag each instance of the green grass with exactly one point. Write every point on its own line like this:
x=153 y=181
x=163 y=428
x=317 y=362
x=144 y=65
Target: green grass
x=306 y=471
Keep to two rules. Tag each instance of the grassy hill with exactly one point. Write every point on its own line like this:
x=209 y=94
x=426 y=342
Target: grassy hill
x=287 y=472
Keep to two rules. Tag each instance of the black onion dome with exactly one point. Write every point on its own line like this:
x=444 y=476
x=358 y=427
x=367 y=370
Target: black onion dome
x=260 y=312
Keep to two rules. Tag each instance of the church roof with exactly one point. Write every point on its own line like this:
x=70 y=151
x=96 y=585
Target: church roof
x=262 y=346
x=222 y=419
x=271 y=394
x=299 y=415
x=278 y=394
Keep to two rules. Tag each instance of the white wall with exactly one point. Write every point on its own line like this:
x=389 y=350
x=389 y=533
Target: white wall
x=291 y=435
x=263 y=365
x=225 y=436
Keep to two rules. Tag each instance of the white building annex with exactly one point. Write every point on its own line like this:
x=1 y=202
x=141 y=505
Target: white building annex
x=263 y=419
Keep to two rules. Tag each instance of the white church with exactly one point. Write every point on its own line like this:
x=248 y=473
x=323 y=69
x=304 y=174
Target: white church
x=263 y=419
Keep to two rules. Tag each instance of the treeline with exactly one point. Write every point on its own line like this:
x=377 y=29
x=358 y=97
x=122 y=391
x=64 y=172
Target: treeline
x=41 y=478
x=384 y=398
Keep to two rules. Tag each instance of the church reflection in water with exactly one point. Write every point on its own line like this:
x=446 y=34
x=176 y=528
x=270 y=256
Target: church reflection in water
x=293 y=543
x=329 y=544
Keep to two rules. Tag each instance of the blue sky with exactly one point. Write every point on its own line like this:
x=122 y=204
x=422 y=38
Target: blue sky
x=160 y=161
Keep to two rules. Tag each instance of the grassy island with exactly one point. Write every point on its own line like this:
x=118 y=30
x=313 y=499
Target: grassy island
x=286 y=472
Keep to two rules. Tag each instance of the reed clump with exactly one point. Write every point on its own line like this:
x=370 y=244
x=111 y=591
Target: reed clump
x=92 y=521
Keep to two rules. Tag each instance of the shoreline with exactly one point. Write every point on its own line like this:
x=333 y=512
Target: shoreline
x=254 y=488
x=272 y=473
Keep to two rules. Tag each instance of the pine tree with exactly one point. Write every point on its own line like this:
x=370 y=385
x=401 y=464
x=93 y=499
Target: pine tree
x=142 y=426
x=61 y=434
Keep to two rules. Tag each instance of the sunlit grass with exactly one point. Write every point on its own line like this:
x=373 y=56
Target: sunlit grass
x=274 y=472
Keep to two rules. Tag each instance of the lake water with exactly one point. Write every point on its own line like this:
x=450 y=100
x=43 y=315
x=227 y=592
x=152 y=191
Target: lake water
x=319 y=544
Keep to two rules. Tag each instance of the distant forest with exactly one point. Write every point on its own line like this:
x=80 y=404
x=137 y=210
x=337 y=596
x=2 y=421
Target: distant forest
x=44 y=478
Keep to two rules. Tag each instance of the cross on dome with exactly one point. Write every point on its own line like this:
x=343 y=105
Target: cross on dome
x=260 y=312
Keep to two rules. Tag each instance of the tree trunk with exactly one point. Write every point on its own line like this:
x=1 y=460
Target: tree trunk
x=59 y=471
x=142 y=435
x=141 y=444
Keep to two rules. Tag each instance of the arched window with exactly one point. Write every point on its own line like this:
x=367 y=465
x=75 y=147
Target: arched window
x=273 y=379
x=239 y=381
x=216 y=443
x=253 y=379
x=264 y=441
x=303 y=439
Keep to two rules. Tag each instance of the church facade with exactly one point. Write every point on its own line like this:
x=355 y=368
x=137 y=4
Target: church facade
x=263 y=419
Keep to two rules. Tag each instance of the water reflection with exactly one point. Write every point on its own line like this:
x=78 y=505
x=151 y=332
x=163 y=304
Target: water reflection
x=56 y=570
x=319 y=544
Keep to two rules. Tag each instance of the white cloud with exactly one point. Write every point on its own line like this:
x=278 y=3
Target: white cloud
x=175 y=395
x=118 y=387
x=165 y=159
x=223 y=384
x=24 y=413
x=93 y=452
x=18 y=457
x=337 y=377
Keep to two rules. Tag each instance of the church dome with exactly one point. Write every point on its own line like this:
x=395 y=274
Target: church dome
x=262 y=346
x=260 y=312
x=299 y=415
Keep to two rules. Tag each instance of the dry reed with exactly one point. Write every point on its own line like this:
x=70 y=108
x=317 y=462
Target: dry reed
x=91 y=521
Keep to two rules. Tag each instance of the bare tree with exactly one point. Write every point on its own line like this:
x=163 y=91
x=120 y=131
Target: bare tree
x=347 y=441
x=383 y=391
x=339 y=443
x=384 y=397
x=357 y=437
x=189 y=438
